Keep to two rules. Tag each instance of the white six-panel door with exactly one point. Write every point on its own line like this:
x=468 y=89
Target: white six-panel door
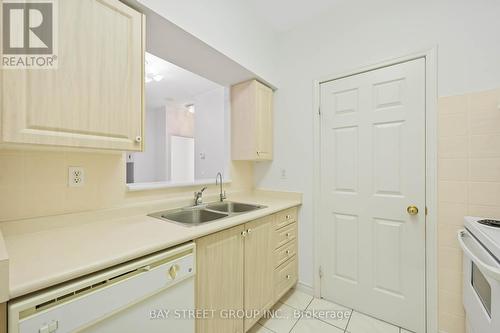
x=372 y=170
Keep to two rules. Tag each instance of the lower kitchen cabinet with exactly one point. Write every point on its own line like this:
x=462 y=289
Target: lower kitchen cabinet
x=3 y=317
x=259 y=267
x=219 y=283
x=249 y=267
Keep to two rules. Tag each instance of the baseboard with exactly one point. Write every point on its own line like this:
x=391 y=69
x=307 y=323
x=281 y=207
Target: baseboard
x=305 y=288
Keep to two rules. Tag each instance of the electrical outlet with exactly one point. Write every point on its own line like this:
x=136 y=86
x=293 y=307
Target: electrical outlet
x=76 y=176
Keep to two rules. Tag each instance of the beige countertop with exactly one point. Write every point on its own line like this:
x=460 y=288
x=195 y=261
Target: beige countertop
x=46 y=251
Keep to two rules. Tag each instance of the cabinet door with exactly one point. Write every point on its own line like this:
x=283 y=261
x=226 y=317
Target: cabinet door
x=252 y=121
x=259 y=267
x=3 y=317
x=220 y=279
x=264 y=122
x=94 y=99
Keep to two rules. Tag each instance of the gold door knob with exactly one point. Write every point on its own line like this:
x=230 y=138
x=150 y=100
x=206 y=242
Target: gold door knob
x=412 y=210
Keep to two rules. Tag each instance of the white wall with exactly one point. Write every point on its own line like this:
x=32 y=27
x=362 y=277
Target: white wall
x=209 y=126
x=359 y=33
x=150 y=166
x=210 y=133
x=231 y=27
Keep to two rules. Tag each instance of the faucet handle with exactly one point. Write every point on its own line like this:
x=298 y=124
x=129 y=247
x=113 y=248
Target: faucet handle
x=223 y=196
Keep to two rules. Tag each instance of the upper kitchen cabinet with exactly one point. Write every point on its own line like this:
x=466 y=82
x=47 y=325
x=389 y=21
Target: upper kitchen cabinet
x=94 y=98
x=252 y=121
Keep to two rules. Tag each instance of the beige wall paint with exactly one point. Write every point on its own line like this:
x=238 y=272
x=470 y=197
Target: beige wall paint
x=469 y=184
x=34 y=183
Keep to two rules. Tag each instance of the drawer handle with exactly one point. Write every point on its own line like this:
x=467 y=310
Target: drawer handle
x=287 y=252
x=288 y=276
x=288 y=217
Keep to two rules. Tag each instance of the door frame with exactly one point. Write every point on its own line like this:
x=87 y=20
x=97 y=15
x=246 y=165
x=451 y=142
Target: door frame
x=431 y=243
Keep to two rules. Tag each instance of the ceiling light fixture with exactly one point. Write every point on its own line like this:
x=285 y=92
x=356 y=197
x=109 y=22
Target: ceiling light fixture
x=151 y=73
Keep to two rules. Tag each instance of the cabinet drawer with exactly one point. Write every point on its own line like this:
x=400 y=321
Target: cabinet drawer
x=284 y=253
x=285 y=235
x=285 y=277
x=285 y=217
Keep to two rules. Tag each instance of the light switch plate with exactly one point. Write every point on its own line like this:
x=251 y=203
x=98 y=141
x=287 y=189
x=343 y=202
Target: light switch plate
x=76 y=177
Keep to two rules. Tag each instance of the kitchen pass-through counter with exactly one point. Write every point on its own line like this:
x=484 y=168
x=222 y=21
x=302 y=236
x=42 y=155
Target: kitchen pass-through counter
x=40 y=253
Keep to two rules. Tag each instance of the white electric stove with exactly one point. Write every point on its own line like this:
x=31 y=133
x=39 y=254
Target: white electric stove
x=480 y=242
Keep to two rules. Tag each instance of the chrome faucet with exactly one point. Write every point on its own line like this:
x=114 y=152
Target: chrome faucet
x=198 y=197
x=218 y=180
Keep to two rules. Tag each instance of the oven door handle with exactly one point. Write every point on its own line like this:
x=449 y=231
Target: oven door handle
x=491 y=271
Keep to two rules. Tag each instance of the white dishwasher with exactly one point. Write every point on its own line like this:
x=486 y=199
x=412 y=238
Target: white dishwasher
x=151 y=294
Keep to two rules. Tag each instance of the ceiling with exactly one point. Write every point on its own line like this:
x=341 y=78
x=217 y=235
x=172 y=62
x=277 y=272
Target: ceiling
x=283 y=15
x=177 y=85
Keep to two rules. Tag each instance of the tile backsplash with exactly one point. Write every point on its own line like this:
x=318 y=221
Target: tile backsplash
x=469 y=184
x=34 y=183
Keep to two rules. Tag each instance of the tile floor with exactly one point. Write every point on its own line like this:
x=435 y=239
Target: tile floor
x=296 y=302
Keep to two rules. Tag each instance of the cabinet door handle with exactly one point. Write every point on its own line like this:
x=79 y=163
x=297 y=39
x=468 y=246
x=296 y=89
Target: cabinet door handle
x=288 y=235
x=287 y=252
x=249 y=231
x=288 y=277
x=288 y=217
x=138 y=139
x=244 y=233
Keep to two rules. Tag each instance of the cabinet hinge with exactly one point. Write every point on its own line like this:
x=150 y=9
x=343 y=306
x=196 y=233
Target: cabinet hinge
x=320 y=271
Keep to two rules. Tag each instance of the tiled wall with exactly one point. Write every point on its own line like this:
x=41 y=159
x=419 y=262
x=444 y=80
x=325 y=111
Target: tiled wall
x=34 y=183
x=469 y=184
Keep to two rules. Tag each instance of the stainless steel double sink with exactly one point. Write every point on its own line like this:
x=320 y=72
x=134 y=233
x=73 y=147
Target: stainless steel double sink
x=196 y=215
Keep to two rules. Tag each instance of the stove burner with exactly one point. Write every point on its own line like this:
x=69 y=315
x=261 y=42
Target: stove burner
x=490 y=223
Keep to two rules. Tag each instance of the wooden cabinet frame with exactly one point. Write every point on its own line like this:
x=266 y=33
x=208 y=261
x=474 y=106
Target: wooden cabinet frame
x=237 y=269
x=251 y=121
x=95 y=97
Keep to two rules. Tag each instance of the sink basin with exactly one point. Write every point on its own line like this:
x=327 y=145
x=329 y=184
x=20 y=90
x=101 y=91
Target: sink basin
x=233 y=207
x=190 y=216
x=196 y=215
